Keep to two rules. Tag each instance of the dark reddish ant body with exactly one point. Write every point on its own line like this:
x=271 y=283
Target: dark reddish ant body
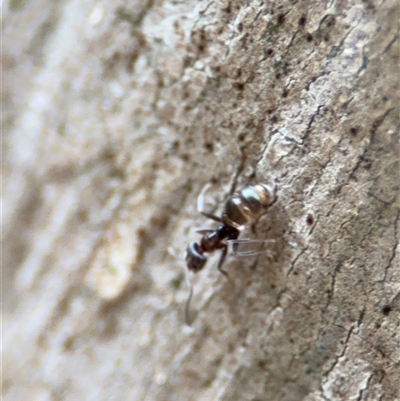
x=241 y=209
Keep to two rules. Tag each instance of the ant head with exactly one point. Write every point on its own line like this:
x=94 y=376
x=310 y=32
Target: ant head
x=195 y=260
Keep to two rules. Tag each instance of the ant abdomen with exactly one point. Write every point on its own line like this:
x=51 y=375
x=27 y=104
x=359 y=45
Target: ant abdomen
x=246 y=206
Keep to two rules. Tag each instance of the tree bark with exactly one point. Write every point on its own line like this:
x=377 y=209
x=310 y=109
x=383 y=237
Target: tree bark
x=116 y=115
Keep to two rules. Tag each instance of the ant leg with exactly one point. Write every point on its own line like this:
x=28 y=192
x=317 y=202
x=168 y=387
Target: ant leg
x=224 y=248
x=235 y=247
x=238 y=172
x=251 y=242
x=211 y=216
x=205 y=231
x=200 y=205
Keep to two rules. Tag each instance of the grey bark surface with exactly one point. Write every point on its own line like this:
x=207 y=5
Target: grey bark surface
x=116 y=115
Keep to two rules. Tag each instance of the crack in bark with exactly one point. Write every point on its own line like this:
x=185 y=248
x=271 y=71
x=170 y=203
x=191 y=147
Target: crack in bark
x=361 y=392
x=389 y=203
x=333 y=283
x=389 y=46
x=314 y=79
x=361 y=158
x=378 y=122
x=335 y=49
x=364 y=340
x=333 y=206
x=393 y=255
x=365 y=62
x=328 y=371
x=361 y=317
x=295 y=260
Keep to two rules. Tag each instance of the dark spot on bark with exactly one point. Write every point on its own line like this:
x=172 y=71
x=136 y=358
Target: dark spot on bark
x=367 y=163
x=386 y=310
x=117 y=173
x=309 y=37
x=270 y=52
x=281 y=19
x=241 y=137
x=310 y=220
x=160 y=221
x=176 y=283
x=214 y=180
x=240 y=27
x=285 y=93
x=302 y=21
x=83 y=215
x=109 y=154
x=238 y=72
x=160 y=83
x=330 y=22
x=326 y=38
x=369 y=4
x=187 y=61
x=141 y=232
x=244 y=40
x=274 y=119
x=377 y=325
x=353 y=131
x=68 y=344
x=239 y=86
x=228 y=9
x=185 y=157
x=367 y=166
x=278 y=75
x=209 y=147
x=175 y=145
x=199 y=39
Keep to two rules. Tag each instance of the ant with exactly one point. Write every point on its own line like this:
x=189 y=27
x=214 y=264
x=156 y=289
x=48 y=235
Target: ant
x=241 y=209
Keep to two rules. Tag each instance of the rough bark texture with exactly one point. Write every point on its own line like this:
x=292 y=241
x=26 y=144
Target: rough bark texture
x=115 y=116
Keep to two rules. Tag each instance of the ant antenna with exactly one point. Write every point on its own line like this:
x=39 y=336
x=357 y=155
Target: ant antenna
x=200 y=198
x=188 y=319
